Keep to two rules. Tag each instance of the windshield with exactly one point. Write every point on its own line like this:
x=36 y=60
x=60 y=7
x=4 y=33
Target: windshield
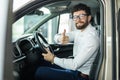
x=30 y=21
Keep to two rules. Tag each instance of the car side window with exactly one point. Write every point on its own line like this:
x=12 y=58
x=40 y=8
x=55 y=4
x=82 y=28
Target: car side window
x=66 y=23
x=49 y=29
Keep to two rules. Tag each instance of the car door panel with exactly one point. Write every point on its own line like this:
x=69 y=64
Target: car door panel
x=62 y=50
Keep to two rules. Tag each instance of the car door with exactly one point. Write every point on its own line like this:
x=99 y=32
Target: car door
x=32 y=17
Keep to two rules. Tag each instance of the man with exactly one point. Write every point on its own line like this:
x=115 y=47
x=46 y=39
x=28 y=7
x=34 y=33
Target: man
x=86 y=45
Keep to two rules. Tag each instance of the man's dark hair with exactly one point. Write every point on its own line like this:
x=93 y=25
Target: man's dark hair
x=81 y=7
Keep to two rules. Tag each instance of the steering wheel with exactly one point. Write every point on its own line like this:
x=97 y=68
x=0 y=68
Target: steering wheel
x=41 y=41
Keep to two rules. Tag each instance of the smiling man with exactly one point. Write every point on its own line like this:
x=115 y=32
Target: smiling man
x=86 y=45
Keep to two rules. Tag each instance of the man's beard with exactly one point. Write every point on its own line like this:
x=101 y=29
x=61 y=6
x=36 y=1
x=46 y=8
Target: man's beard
x=82 y=26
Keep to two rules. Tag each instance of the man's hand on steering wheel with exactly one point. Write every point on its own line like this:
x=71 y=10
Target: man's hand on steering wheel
x=49 y=56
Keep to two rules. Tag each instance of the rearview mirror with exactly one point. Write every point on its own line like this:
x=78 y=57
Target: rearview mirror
x=36 y=12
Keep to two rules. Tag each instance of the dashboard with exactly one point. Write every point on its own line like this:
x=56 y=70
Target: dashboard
x=27 y=54
x=22 y=47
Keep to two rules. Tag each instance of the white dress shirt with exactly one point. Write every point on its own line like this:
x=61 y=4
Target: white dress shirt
x=86 y=45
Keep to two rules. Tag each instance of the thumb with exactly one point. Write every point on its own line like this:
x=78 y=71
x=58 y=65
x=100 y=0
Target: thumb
x=43 y=54
x=64 y=32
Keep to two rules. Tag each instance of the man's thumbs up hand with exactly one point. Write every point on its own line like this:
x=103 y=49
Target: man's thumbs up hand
x=63 y=38
x=64 y=32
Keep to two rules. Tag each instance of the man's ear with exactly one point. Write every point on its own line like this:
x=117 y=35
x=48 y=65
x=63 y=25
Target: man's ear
x=89 y=18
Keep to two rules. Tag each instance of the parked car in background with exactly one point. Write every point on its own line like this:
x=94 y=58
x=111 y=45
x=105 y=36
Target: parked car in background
x=32 y=24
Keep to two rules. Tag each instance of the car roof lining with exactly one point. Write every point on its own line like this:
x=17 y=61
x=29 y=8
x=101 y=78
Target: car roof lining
x=60 y=6
x=67 y=5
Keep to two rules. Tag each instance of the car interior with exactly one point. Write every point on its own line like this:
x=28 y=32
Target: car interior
x=39 y=34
